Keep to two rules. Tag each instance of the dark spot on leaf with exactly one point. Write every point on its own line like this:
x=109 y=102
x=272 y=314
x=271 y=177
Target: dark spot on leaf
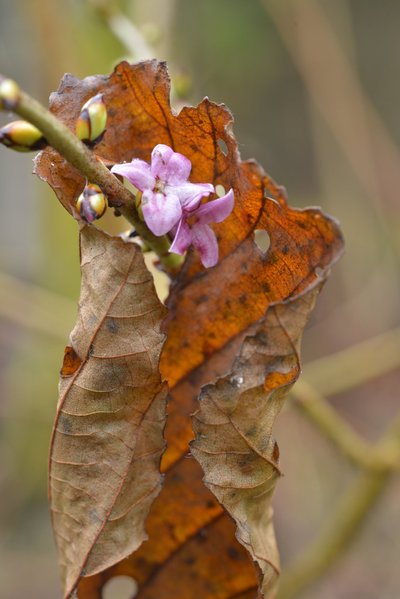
x=202 y=535
x=112 y=325
x=266 y=288
x=243 y=298
x=252 y=431
x=201 y=299
x=285 y=249
x=64 y=424
x=233 y=553
x=262 y=337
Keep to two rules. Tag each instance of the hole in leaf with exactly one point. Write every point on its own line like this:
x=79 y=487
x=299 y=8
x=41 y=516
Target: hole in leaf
x=270 y=196
x=262 y=240
x=222 y=146
x=319 y=272
x=120 y=587
x=220 y=190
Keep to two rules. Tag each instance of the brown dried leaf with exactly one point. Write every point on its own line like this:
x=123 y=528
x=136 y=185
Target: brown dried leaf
x=233 y=427
x=108 y=435
x=210 y=314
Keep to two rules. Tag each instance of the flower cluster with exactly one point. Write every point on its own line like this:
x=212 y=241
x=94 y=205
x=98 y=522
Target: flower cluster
x=172 y=204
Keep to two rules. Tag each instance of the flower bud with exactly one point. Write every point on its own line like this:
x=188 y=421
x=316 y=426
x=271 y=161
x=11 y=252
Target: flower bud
x=92 y=120
x=92 y=203
x=22 y=137
x=9 y=94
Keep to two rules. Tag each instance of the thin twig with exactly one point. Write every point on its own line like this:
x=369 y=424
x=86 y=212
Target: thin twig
x=77 y=154
x=336 y=90
x=343 y=525
x=124 y=30
x=345 y=370
x=314 y=406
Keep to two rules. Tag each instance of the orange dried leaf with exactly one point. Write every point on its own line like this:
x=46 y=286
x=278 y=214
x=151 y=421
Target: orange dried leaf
x=108 y=434
x=210 y=315
x=71 y=362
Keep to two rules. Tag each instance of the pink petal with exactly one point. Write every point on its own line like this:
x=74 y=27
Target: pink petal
x=137 y=172
x=204 y=240
x=169 y=166
x=179 y=168
x=159 y=161
x=182 y=239
x=190 y=194
x=217 y=210
x=161 y=212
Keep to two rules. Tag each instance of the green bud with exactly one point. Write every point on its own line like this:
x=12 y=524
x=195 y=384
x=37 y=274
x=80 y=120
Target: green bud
x=21 y=136
x=92 y=203
x=9 y=94
x=91 y=124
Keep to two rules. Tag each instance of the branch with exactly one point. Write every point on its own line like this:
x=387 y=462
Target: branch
x=343 y=526
x=339 y=96
x=124 y=30
x=314 y=406
x=345 y=370
x=77 y=154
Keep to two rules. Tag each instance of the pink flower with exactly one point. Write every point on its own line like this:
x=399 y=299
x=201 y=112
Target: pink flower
x=193 y=228
x=172 y=203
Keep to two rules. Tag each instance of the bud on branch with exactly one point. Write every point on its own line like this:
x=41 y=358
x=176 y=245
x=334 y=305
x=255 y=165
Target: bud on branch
x=21 y=136
x=91 y=124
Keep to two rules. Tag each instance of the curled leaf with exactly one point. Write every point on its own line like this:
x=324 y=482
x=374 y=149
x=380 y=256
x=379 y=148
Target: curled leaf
x=211 y=315
x=233 y=426
x=108 y=434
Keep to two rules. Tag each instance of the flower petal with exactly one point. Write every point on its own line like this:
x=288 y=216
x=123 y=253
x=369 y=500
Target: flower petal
x=178 y=169
x=217 y=210
x=159 y=161
x=182 y=239
x=169 y=166
x=190 y=194
x=161 y=212
x=204 y=240
x=137 y=172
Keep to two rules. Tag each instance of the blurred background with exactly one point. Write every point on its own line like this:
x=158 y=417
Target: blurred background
x=314 y=88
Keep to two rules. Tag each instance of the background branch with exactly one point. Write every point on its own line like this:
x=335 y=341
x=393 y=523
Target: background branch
x=314 y=406
x=343 y=525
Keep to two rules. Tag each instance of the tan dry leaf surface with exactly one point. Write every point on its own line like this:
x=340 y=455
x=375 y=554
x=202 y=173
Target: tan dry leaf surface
x=233 y=427
x=108 y=434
